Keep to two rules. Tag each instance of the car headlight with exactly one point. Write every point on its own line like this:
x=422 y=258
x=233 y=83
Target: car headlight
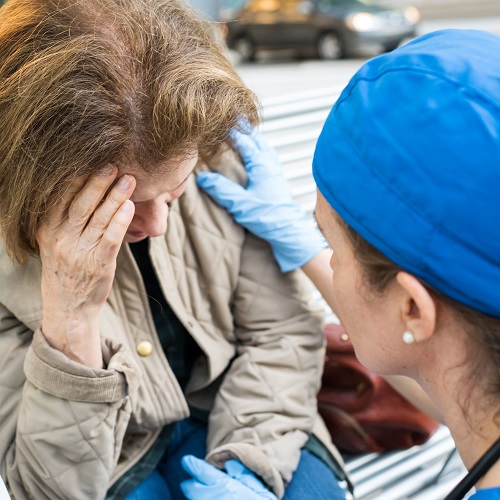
x=412 y=14
x=364 y=21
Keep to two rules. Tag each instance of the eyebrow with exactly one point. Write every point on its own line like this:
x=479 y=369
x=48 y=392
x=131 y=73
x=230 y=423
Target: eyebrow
x=187 y=177
x=168 y=190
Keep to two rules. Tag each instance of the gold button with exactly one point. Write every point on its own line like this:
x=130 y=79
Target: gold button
x=144 y=348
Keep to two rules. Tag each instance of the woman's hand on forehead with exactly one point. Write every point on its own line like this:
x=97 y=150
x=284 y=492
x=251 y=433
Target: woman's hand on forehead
x=79 y=242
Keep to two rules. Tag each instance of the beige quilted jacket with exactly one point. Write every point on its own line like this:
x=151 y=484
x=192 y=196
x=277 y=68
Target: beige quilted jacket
x=68 y=431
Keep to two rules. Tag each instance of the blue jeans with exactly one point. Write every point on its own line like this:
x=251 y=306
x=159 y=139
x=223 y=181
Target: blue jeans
x=312 y=479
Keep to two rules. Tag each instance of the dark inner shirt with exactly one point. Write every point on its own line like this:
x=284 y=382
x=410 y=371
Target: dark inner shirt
x=178 y=345
x=181 y=351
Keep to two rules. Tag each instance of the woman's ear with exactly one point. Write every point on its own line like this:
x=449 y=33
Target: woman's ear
x=418 y=308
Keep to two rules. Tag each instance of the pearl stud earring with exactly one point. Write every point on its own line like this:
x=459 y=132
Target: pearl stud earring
x=408 y=337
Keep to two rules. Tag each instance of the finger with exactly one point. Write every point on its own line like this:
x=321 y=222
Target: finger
x=114 y=200
x=194 y=490
x=245 y=145
x=238 y=471
x=253 y=138
x=88 y=199
x=190 y=488
x=222 y=190
x=250 y=144
x=244 y=126
x=202 y=470
x=113 y=236
x=257 y=155
x=58 y=210
x=235 y=468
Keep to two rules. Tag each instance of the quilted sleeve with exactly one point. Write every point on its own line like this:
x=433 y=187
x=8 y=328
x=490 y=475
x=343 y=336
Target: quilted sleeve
x=266 y=407
x=61 y=423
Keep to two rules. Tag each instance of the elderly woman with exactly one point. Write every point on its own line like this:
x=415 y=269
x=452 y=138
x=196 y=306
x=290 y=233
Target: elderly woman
x=408 y=176
x=138 y=321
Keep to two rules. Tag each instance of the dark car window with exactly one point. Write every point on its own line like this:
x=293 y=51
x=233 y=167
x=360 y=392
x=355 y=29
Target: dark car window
x=293 y=6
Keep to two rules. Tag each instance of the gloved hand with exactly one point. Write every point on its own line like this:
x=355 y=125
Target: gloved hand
x=265 y=207
x=210 y=483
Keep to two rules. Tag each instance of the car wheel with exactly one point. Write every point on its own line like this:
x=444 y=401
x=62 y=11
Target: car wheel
x=330 y=47
x=244 y=47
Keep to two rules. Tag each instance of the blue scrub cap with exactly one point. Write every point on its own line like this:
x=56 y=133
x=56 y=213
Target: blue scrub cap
x=410 y=158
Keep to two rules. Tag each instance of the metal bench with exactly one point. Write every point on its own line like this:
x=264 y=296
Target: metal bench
x=292 y=124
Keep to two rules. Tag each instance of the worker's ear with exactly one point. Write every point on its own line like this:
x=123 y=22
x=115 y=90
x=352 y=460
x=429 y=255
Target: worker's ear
x=417 y=308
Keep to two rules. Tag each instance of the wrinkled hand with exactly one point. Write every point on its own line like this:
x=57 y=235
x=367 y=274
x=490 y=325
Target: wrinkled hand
x=265 y=207
x=210 y=483
x=79 y=241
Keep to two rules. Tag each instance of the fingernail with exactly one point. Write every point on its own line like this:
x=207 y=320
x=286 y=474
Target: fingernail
x=124 y=183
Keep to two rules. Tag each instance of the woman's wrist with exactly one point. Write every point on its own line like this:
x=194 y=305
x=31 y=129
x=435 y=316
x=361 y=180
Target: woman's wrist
x=75 y=334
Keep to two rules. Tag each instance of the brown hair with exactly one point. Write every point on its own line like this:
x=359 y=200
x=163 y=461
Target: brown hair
x=85 y=83
x=482 y=329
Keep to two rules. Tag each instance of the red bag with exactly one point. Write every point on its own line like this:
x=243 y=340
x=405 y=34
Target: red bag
x=361 y=410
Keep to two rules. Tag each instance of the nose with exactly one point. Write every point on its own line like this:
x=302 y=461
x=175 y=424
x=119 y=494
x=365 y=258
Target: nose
x=151 y=217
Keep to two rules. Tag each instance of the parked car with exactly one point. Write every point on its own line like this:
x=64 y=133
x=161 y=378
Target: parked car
x=332 y=28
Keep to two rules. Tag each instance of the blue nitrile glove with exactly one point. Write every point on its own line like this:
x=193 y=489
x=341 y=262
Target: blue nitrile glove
x=265 y=207
x=210 y=483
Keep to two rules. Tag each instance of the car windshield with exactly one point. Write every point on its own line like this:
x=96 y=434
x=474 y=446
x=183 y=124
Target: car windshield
x=276 y=5
x=263 y=5
x=346 y=2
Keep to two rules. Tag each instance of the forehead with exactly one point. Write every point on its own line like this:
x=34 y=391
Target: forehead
x=168 y=177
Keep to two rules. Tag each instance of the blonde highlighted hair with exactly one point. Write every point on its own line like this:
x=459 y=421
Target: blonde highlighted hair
x=85 y=83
